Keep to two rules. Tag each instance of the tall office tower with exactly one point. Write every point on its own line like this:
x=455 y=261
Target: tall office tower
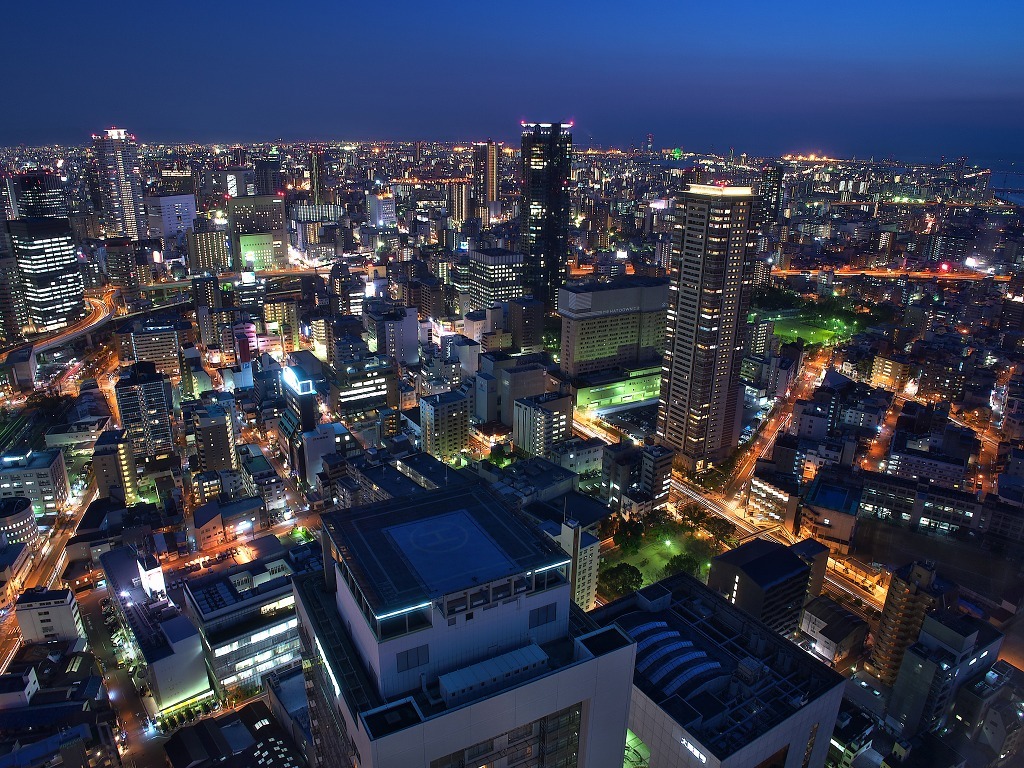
x=445 y=424
x=269 y=176
x=700 y=407
x=317 y=174
x=239 y=156
x=915 y=590
x=457 y=202
x=485 y=179
x=169 y=216
x=526 y=323
x=256 y=232
x=116 y=157
x=113 y=466
x=545 y=208
x=208 y=251
x=380 y=210
x=13 y=312
x=770 y=192
x=54 y=292
x=446 y=636
x=214 y=430
x=37 y=194
x=613 y=325
x=495 y=277
x=144 y=401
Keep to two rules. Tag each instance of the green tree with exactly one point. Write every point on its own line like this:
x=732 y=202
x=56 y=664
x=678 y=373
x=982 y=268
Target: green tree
x=700 y=549
x=629 y=537
x=695 y=515
x=719 y=530
x=620 y=579
x=682 y=563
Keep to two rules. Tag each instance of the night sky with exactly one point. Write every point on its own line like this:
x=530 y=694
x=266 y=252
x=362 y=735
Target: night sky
x=911 y=79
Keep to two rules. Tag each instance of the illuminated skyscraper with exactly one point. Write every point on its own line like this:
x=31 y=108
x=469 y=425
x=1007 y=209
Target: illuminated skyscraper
x=770 y=193
x=545 y=208
x=709 y=295
x=485 y=178
x=458 y=202
x=37 y=194
x=53 y=289
x=317 y=175
x=120 y=183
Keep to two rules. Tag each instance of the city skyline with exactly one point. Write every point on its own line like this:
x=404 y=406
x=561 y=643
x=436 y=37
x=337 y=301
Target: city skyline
x=773 y=80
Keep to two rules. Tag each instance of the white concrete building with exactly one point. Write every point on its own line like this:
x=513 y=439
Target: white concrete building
x=39 y=476
x=445 y=635
x=168 y=216
x=166 y=644
x=46 y=615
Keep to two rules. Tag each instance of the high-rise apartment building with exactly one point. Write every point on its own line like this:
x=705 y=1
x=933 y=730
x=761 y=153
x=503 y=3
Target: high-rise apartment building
x=317 y=174
x=208 y=251
x=53 y=290
x=700 y=405
x=205 y=297
x=158 y=340
x=215 y=438
x=618 y=324
x=545 y=207
x=770 y=193
x=144 y=402
x=485 y=179
x=495 y=277
x=127 y=267
x=281 y=319
x=457 y=194
x=393 y=330
x=540 y=421
x=37 y=194
x=915 y=590
x=656 y=473
x=950 y=642
x=119 y=178
x=445 y=636
x=256 y=232
x=113 y=466
x=444 y=422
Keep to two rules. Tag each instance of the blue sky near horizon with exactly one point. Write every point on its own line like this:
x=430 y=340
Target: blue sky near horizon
x=912 y=80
